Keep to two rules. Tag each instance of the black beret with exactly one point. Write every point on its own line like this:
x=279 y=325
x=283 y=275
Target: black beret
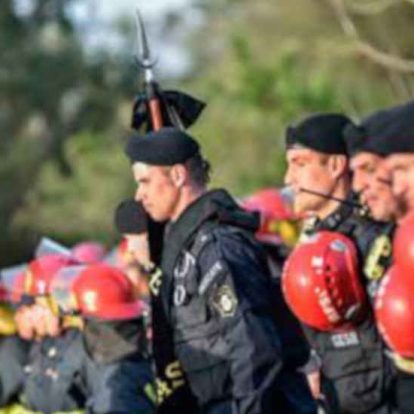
x=356 y=139
x=390 y=131
x=167 y=146
x=130 y=217
x=322 y=133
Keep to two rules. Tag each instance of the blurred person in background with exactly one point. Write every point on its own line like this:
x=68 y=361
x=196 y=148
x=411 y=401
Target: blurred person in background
x=63 y=372
x=88 y=252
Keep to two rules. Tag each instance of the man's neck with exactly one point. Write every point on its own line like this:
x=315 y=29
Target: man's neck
x=341 y=192
x=188 y=196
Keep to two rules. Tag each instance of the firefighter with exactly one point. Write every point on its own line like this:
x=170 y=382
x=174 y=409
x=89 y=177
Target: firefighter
x=215 y=290
x=354 y=375
x=393 y=130
x=63 y=373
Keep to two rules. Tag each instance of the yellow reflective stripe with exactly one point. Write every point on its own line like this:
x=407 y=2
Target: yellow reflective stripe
x=150 y=392
x=19 y=409
x=404 y=364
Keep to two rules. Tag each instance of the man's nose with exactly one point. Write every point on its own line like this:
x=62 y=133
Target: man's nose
x=358 y=182
x=138 y=195
x=288 y=178
x=398 y=186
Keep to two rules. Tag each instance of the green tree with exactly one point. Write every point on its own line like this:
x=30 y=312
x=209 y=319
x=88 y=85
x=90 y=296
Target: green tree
x=49 y=91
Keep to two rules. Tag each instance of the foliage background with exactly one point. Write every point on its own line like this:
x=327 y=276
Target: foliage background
x=260 y=65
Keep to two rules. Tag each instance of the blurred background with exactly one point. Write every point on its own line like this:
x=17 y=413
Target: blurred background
x=68 y=79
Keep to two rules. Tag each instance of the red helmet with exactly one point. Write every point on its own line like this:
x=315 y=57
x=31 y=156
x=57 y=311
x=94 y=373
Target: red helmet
x=105 y=292
x=277 y=218
x=403 y=244
x=321 y=282
x=41 y=271
x=394 y=310
x=88 y=252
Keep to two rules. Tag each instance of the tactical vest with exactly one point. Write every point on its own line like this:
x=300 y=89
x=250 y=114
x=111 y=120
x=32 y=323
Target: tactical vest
x=172 y=390
x=192 y=322
x=207 y=368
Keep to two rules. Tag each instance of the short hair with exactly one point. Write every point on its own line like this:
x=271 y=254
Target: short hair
x=199 y=170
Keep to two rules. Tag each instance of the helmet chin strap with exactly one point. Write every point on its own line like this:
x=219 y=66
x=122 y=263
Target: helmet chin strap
x=329 y=197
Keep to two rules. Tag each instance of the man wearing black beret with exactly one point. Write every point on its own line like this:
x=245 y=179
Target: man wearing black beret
x=396 y=143
x=370 y=177
x=215 y=289
x=389 y=135
x=319 y=175
x=316 y=148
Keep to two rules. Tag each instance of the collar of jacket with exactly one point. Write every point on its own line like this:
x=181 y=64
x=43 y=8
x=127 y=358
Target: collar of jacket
x=338 y=216
x=215 y=205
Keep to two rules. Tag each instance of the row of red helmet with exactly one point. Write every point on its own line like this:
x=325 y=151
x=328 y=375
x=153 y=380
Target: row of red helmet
x=93 y=290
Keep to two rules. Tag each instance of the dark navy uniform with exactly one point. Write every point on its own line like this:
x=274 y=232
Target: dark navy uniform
x=217 y=296
x=13 y=357
x=60 y=376
x=356 y=375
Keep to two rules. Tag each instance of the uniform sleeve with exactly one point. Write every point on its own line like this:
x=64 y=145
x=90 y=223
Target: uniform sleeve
x=239 y=298
x=123 y=387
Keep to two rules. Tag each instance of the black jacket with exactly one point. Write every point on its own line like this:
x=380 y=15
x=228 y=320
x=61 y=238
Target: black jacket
x=218 y=298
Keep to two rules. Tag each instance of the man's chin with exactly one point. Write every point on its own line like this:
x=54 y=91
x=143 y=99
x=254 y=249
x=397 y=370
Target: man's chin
x=297 y=209
x=379 y=214
x=405 y=210
x=159 y=218
x=301 y=210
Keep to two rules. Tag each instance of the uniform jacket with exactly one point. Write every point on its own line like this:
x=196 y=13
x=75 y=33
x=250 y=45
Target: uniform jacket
x=217 y=296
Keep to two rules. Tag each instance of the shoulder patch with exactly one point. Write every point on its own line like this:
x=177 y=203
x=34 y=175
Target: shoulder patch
x=224 y=301
x=377 y=258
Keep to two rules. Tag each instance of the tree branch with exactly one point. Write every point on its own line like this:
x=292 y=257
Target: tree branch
x=371 y=7
x=387 y=60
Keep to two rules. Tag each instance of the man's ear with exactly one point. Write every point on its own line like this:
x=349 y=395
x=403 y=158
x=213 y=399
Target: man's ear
x=179 y=175
x=338 y=165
